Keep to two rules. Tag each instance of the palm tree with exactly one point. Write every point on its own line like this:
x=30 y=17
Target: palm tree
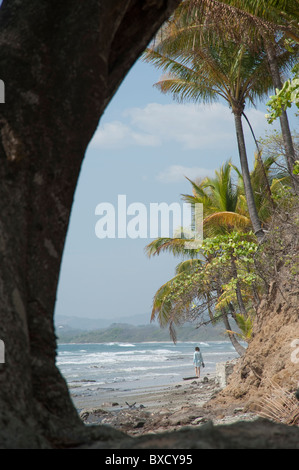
x=285 y=17
x=276 y=178
x=284 y=122
x=243 y=16
x=173 y=303
x=213 y=68
x=174 y=312
x=260 y=24
x=164 y=308
x=225 y=211
x=270 y=15
x=220 y=197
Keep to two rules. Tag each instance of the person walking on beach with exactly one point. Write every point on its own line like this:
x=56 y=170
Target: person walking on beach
x=198 y=361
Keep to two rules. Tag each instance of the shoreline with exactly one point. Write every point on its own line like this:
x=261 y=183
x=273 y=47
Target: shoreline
x=149 y=396
x=156 y=409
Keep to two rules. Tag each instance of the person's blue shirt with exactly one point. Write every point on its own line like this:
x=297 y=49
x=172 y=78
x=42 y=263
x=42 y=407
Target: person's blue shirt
x=197 y=359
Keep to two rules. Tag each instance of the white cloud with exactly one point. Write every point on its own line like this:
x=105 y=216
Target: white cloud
x=110 y=135
x=191 y=126
x=176 y=173
x=116 y=135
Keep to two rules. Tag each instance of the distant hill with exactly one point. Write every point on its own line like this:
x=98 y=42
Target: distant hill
x=120 y=332
x=86 y=324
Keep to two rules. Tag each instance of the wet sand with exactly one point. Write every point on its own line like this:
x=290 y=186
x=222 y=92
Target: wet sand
x=157 y=409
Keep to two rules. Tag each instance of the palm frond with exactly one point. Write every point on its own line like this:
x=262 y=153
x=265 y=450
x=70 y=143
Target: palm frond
x=162 y=306
x=188 y=266
x=279 y=405
x=175 y=246
x=231 y=220
x=164 y=309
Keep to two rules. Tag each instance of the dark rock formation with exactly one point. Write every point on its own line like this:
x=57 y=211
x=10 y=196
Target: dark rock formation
x=61 y=62
x=261 y=434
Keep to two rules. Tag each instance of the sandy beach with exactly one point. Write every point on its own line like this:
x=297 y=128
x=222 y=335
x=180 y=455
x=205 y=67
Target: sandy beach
x=158 y=409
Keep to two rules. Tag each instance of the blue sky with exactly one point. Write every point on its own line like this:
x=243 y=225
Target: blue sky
x=145 y=144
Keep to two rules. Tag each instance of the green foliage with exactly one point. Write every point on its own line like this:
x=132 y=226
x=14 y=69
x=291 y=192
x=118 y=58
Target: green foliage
x=296 y=168
x=224 y=271
x=220 y=276
x=231 y=256
x=284 y=98
x=284 y=198
x=202 y=62
x=246 y=326
x=221 y=198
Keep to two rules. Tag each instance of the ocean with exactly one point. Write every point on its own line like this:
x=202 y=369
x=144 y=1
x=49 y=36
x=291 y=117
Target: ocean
x=90 y=369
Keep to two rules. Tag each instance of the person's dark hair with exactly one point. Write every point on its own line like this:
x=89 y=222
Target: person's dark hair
x=197 y=348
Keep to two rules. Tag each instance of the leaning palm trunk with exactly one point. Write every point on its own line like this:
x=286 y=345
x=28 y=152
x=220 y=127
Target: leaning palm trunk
x=238 y=347
x=238 y=289
x=261 y=163
x=246 y=177
x=284 y=122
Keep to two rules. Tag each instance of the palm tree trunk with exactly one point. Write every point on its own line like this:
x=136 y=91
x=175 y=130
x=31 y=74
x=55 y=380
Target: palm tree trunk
x=238 y=347
x=284 y=122
x=238 y=288
x=246 y=177
x=260 y=160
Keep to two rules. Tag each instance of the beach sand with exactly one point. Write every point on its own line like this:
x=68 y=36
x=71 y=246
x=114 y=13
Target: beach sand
x=157 y=409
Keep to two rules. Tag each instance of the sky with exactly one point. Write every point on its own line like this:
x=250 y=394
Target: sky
x=145 y=146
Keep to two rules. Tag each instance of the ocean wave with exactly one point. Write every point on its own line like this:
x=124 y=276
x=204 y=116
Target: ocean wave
x=221 y=353
x=160 y=375
x=164 y=351
x=135 y=364
x=140 y=369
x=161 y=355
x=138 y=378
